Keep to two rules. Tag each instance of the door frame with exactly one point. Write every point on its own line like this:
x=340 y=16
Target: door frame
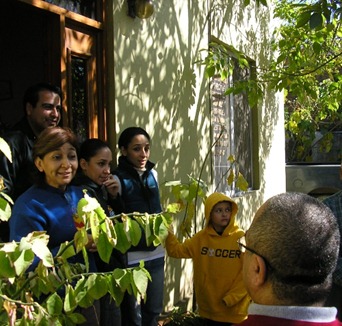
x=59 y=55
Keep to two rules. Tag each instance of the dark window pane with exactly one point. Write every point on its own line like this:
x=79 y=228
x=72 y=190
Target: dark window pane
x=86 y=8
x=79 y=98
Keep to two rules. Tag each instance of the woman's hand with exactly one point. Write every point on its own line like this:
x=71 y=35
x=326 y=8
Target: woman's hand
x=91 y=246
x=112 y=186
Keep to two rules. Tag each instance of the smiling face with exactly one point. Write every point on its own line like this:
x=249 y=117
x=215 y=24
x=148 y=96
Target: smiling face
x=137 y=151
x=46 y=113
x=59 y=166
x=220 y=215
x=98 y=166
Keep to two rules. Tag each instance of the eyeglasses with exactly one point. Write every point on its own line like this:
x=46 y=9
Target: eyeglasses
x=242 y=246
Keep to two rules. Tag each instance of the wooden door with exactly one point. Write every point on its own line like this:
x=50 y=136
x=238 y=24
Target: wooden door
x=73 y=58
x=82 y=96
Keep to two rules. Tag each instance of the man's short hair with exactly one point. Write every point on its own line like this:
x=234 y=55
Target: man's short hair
x=32 y=93
x=299 y=237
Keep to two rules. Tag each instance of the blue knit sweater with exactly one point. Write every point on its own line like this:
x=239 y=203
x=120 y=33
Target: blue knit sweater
x=45 y=208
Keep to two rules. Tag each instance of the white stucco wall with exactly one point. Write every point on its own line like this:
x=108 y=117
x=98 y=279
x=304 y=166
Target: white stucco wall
x=158 y=85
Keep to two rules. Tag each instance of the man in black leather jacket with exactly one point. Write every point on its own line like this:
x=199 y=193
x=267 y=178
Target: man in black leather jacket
x=42 y=106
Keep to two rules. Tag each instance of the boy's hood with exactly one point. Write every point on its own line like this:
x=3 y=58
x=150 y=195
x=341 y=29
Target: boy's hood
x=215 y=198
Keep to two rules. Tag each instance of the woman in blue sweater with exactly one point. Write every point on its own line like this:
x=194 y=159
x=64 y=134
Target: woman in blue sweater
x=50 y=203
x=138 y=191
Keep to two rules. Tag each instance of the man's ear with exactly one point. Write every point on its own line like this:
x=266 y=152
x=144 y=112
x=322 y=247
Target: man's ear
x=258 y=271
x=28 y=109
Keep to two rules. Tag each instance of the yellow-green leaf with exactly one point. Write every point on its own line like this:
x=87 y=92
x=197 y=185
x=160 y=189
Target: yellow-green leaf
x=104 y=247
x=134 y=232
x=54 y=304
x=122 y=244
x=5 y=209
x=5 y=149
x=97 y=286
x=241 y=183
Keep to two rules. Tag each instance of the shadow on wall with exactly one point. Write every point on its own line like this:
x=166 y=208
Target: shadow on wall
x=159 y=86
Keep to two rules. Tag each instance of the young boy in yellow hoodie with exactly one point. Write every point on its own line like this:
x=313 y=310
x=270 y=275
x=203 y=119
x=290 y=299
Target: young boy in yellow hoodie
x=217 y=261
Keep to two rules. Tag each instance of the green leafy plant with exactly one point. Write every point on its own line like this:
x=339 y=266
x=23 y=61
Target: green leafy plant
x=52 y=292
x=189 y=194
x=5 y=200
x=307 y=66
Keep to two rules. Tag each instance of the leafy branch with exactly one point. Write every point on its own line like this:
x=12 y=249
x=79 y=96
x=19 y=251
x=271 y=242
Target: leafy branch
x=307 y=67
x=186 y=194
x=51 y=291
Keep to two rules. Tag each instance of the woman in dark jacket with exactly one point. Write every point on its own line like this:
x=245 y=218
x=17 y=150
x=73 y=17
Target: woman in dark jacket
x=138 y=191
x=95 y=176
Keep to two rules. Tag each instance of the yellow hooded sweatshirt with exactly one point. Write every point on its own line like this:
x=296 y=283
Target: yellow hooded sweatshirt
x=217 y=261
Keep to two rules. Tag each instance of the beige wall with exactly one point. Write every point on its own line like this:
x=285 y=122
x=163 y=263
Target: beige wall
x=156 y=84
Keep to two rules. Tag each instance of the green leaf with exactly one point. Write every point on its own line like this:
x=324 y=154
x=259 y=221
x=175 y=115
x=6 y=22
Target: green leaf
x=210 y=71
x=5 y=209
x=85 y=258
x=114 y=289
x=54 y=279
x=281 y=58
x=41 y=250
x=140 y=280
x=66 y=251
x=149 y=230
x=80 y=207
x=122 y=244
x=80 y=291
x=241 y=182
x=6 y=270
x=97 y=286
x=86 y=301
x=122 y=278
x=54 y=304
x=8 y=198
x=69 y=299
x=134 y=232
x=104 y=247
x=80 y=239
x=231 y=177
x=94 y=223
x=160 y=230
x=76 y=318
x=316 y=20
x=303 y=19
x=172 y=183
x=5 y=149
x=173 y=208
x=24 y=261
x=317 y=47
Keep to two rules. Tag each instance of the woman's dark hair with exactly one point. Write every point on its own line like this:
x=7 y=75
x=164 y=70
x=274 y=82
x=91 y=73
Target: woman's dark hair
x=49 y=140
x=90 y=147
x=129 y=133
